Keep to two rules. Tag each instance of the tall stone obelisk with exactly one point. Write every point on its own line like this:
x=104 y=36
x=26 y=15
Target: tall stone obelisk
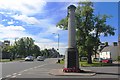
x=71 y=56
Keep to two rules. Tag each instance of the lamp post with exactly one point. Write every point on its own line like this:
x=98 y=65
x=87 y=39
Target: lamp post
x=58 y=40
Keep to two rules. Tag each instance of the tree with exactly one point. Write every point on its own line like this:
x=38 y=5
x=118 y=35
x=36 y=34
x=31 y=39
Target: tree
x=101 y=28
x=49 y=53
x=6 y=52
x=36 y=51
x=12 y=50
x=25 y=46
x=86 y=22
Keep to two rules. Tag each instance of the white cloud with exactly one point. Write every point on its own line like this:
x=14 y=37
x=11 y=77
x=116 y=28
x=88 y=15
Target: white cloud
x=4 y=20
x=11 y=28
x=82 y=0
x=24 y=18
x=11 y=32
x=28 y=7
x=15 y=28
x=56 y=36
x=54 y=45
x=24 y=11
x=52 y=29
x=10 y=22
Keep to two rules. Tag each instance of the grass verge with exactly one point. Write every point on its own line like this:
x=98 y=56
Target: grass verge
x=5 y=60
x=94 y=64
x=8 y=60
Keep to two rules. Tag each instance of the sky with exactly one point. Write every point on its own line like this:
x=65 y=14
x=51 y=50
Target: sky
x=38 y=19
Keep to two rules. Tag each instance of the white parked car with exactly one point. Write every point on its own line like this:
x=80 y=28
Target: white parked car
x=29 y=58
x=40 y=58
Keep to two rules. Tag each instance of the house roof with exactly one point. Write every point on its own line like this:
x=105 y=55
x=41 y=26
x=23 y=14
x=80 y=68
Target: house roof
x=1 y=43
x=109 y=48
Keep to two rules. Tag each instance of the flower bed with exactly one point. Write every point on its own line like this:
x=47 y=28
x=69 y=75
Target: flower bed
x=75 y=70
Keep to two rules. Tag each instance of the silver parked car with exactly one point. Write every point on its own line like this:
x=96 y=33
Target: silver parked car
x=29 y=58
x=40 y=58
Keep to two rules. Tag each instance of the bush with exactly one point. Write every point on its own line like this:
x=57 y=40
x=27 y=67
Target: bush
x=83 y=58
x=118 y=58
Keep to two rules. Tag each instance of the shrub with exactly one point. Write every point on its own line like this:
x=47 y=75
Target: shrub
x=118 y=58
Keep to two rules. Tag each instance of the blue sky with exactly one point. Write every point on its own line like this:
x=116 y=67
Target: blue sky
x=38 y=19
x=109 y=8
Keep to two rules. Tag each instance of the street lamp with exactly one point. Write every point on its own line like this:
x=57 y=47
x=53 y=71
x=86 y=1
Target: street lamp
x=58 y=40
x=16 y=39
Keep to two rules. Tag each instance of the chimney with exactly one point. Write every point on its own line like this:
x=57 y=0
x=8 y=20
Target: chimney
x=119 y=40
x=106 y=44
x=115 y=44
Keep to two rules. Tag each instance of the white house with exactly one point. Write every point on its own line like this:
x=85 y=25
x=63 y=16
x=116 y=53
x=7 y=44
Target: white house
x=110 y=52
x=105 y=55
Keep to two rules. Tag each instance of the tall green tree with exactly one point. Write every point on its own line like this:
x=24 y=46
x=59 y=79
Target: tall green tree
x=25 y=46
x=101 y=28
x=36 y=50
x=86 y=22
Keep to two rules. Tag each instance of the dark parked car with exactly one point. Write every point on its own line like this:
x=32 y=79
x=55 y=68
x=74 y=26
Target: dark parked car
x=98 y=59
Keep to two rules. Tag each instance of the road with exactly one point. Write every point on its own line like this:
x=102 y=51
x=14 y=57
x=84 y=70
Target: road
x=40 y=69
x=10 y=69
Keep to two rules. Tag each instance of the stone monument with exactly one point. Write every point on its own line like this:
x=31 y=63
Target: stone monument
x=71 y=55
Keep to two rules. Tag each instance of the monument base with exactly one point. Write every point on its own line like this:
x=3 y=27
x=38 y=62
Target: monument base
x=59 y=72
x=71 y=58
x=73 y=70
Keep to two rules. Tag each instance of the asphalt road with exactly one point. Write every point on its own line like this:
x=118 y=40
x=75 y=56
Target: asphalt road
x=40 y=69
x=10 y=69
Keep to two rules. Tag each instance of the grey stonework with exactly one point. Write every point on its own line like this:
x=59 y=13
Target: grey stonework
x=71 y=27
x=71 y=55
x=71 y=58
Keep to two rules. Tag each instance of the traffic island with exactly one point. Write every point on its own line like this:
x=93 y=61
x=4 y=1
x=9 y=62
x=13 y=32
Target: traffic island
x=60 y=72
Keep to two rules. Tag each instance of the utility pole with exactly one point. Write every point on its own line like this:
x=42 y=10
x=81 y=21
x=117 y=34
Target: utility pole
x=58 y=41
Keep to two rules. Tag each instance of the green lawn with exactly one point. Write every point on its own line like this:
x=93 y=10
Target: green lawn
x=4 y=60
x=8 y=60
x=94 y=64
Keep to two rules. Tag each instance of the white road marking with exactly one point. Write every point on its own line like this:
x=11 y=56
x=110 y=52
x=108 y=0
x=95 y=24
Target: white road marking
x=21 y=71
x=31 y=68
x=13 y=76
x=8 y=75
x=25 y=70
x=19 y=74
x=35 y=67
x=14 y=73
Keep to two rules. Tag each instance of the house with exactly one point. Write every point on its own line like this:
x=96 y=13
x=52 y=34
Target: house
x=1 y=46
x=111 y=51
x=4 y=55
